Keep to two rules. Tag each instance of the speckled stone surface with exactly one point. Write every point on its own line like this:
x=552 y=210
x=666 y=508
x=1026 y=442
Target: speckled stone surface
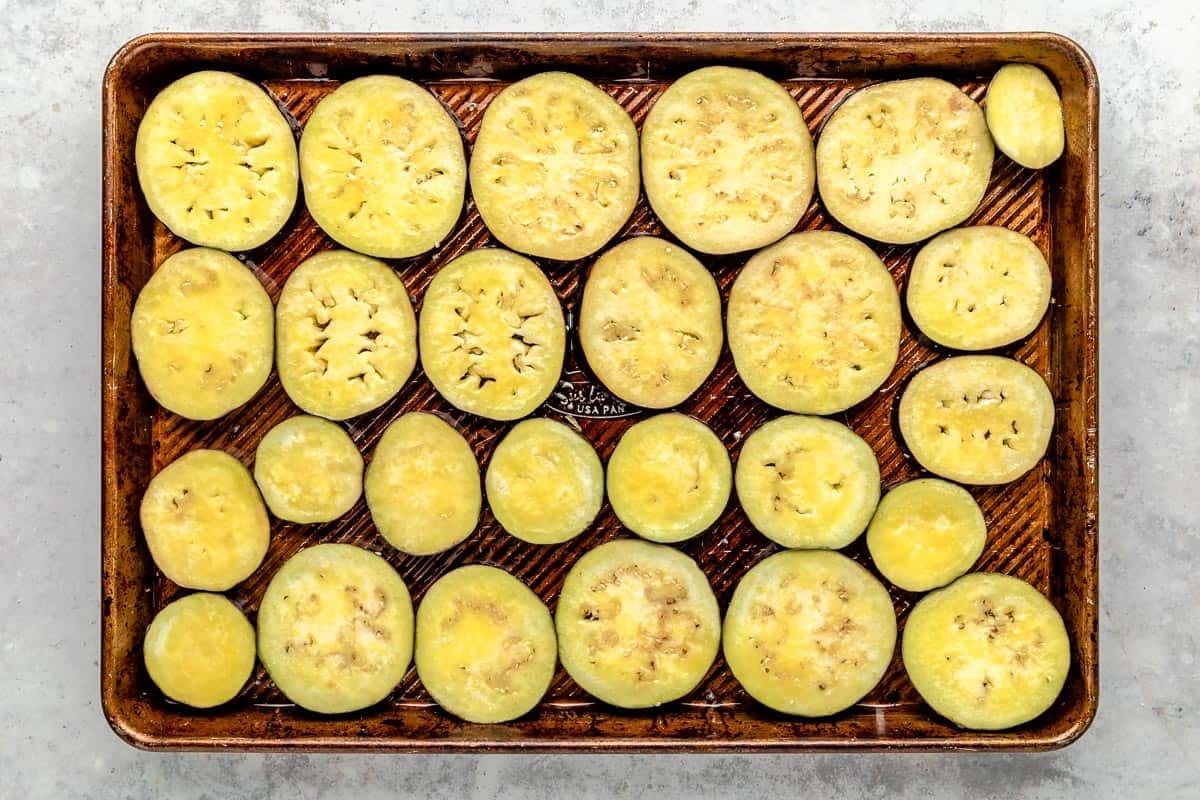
x=53 y=739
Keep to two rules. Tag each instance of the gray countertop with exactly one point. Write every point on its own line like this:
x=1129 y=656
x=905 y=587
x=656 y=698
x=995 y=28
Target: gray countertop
x=55 y=742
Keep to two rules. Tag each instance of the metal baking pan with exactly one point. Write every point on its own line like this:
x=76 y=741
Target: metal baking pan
x=1042 y=528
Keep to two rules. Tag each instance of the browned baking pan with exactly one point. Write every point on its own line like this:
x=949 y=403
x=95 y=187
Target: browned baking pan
x=1042 y=528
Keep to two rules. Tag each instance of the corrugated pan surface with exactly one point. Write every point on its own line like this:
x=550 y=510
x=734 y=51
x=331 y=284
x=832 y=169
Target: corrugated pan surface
x=1041 y=528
